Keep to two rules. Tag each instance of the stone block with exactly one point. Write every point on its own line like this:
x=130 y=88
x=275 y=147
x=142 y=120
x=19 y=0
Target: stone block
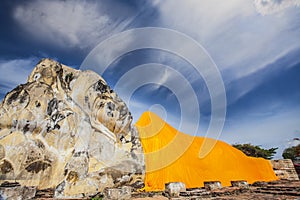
x=173 y=189
x=212 y=185
x=240 y=184
x=123 y=193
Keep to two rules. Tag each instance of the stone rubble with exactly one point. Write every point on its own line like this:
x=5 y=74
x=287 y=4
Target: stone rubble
x=174 y=189
x=123 y=193
x=212 y=185
x=280 y=190
x=240 y=184
x=14 y=191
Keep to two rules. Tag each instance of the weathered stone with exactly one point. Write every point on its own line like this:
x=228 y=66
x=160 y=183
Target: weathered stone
x=45 y=193
x=2 y=152
x=173 y=189
x=66 y=129
x=240 y=184
x=284 y=169
x=259 y=184
x=280 y=190
x=123 y=193
x=212 y=185
x=12 y=191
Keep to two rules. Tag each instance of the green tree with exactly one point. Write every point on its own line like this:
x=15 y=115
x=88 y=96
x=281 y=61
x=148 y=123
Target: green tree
x=291 y=152
x=256 y=151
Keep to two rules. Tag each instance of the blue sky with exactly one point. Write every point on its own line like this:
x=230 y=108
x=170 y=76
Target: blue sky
x=254 y=43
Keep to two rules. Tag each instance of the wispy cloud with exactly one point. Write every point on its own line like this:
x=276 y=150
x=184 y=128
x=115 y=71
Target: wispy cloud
x=15 y=72
x=72 y=23
x=241 y=43
x=274 y=81
x=231 y=31
x=266 y=7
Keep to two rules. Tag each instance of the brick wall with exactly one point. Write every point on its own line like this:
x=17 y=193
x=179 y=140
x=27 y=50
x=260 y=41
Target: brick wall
x=284 y=169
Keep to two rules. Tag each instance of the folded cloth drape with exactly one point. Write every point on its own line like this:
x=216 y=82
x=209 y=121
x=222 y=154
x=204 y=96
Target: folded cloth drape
x=172 y=156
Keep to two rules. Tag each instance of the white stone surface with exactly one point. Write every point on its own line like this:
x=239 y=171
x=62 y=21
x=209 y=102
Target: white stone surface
x=66 y=129
x=174 y=188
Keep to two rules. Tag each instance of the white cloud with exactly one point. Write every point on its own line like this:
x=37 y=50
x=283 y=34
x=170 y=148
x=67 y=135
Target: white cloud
x=231 y=31
x=67 y=23
x=239 y=41
x=202 y=18
x=14 y=72
x=266 y=7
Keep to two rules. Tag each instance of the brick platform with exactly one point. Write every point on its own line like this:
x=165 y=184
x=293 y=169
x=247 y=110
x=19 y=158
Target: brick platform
x=284 y=169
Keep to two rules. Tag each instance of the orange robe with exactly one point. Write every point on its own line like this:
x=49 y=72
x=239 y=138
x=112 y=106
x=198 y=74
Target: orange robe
x=172 y=156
